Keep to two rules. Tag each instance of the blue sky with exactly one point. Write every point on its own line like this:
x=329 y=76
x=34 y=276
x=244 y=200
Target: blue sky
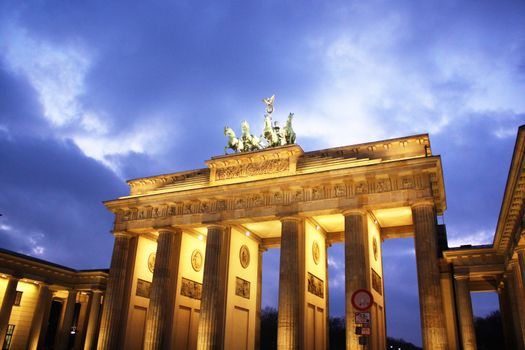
x=93 y=93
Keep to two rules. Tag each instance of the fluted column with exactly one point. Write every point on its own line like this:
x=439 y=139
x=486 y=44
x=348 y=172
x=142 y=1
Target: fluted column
x=93 y=320
x=158 y=321
x=289 y=322
x=113 y=301
x=519 y=292
x=7 y=305
x=506 y=314
x=356 y=270
x=259 y=299
x=431 y=305
x=211 y=323
x=62 y=339
x=520 y=251
x=38 y=316
x=514 y=307
x=466 y=318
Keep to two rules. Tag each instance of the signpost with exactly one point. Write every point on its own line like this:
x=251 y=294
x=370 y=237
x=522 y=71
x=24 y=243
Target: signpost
x=362 y=300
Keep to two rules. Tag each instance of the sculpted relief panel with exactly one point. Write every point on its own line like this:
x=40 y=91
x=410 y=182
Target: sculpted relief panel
x=257 y=200
x=273 y=166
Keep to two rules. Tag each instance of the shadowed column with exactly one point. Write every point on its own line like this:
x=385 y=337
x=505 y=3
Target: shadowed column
x=519 y=293
x=506 y=314
x=67 y=321
x=113 y=301
x=289 y=322
x=430 y=302
x=466 y=318
x=38 y=316
x=158 y=322
x=93 y=320
x=7 y=305
x=356 y=271
x=211 y=323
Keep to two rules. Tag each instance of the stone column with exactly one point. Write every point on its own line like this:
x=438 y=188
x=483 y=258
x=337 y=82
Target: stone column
x=38 y=316
x=160 y=311
x=430 y=301
x=64 y=329
x=513 y=302
x=466 y=318
x=113 y=300
x=212 y=318
x=356 y=267
x=520 y=251
x=7 y=305
x=506 y=314
x=93 y=320
x=289 y=320
x=259 y=299
x=519 y=293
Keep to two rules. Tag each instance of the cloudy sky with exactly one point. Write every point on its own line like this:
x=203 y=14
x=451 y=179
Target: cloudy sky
x=94 y=92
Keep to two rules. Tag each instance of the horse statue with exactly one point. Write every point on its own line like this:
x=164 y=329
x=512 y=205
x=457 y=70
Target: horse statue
x=250 y=142
x=234 y=143
x=289 y=134
x=269 y=133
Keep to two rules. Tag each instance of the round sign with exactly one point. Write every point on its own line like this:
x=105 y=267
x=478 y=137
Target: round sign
x=362 y=300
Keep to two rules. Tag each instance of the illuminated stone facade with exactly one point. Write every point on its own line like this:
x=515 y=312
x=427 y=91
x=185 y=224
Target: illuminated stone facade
x=186 y=270
x=45 y=305
x=245 y=203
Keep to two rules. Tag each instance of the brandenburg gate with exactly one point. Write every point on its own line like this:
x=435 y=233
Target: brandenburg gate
x=186 y=270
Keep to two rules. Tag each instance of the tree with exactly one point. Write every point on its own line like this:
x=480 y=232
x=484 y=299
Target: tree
x=268 y=328
x=489 y=331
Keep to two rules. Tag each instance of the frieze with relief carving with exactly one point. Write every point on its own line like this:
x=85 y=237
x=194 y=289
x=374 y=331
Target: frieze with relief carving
x=257 y=200
x=191 y=289
x=272 y=166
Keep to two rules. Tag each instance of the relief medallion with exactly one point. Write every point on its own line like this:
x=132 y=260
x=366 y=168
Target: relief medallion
x=244 y=256
x=151 y=262
x=375 y=248
x=196 y=260
x=316 y=252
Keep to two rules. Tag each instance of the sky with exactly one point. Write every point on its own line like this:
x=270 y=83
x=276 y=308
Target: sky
x=93 y=93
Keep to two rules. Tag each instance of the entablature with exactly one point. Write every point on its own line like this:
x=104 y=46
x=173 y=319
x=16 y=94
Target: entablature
x=383 y=185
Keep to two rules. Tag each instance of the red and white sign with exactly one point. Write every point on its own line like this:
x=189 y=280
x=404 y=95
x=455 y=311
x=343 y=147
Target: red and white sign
x=362 y=300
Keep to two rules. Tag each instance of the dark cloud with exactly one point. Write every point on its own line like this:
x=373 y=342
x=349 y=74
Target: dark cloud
x=451 y=68
x=51 y=198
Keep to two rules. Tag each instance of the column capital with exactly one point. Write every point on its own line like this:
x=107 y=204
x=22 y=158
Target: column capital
x=122 y=234
x=520 y=249
x=291 y=218
x=354 y=211
x=512 y=263
x=216 y=226
x=423 y=203
x=461 y=276
x=167 y=229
